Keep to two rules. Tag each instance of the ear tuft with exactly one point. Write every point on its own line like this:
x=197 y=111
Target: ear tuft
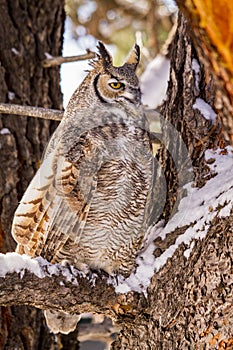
x=133 y=57
x=104 y=54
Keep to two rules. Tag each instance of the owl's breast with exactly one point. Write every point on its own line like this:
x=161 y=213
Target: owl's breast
x=116 y=221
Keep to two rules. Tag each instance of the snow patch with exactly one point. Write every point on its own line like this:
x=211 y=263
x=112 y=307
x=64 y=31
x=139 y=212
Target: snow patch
x=13 y=262
x=5 y=131
x=205 y=109
x=224 y=212
x=188 y=251
x=48 y=56
x=67 y=271
x=11 y=95
x=196 y=68
x=15 y=51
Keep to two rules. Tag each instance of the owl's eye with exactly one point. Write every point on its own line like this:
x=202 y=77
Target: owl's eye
x=116 y=85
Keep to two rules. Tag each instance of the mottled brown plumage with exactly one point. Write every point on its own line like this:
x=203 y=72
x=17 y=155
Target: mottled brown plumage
x=89 y=203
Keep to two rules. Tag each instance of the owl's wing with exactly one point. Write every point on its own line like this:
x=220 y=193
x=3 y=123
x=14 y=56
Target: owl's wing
x=54 y=208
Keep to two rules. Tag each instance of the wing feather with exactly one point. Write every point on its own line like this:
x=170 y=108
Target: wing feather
x=34 y=204
x=53 y=210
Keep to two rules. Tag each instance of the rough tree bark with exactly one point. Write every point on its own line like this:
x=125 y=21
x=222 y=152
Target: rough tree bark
x=189 y=303
x=212 y=33
x=28 y=30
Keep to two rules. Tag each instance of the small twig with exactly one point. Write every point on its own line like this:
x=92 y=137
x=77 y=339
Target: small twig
x=28 y=111
x=57 y=61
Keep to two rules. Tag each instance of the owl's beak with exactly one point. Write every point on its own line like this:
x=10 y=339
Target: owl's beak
x=133 y=96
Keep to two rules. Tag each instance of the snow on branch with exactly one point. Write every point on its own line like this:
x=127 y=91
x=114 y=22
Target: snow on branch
x=196 y=212
x=29 y=111
x=36 y=282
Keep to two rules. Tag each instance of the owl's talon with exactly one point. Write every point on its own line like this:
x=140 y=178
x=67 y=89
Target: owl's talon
x=115 y=277
x=67 y=265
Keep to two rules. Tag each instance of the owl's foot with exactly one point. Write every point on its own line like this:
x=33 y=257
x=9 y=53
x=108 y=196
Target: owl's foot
x=115 y=278
x=66 y=264
x=80 y=266
x=94 y=272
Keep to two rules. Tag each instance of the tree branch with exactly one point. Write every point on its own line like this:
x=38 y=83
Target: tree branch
x=57 y=61
x=39 y=283
x=29 y=111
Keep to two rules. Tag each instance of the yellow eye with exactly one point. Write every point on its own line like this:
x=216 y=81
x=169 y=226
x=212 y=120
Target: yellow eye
x=117 y=85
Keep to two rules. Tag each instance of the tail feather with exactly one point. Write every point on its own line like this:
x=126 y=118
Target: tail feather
x=61 y=322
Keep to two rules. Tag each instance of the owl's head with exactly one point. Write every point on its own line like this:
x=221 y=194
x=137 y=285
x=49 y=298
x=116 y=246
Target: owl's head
x=114 y=84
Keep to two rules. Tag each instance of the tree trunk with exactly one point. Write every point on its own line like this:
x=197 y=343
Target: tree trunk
x=188 y=304
x=28 y=30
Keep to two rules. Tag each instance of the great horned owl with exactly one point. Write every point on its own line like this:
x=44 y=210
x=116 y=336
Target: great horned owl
x=89 y=203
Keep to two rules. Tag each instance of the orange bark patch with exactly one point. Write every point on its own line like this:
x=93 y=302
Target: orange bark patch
x=216 y=17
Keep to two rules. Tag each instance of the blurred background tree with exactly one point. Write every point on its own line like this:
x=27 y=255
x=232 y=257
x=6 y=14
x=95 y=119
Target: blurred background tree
x=121 y=22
